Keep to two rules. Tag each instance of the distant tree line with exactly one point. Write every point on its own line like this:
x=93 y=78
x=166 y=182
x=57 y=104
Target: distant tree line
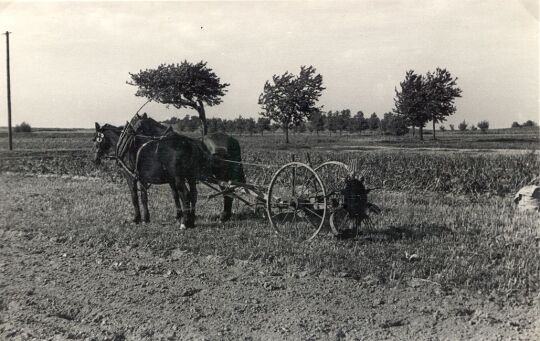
x=527 y=123
x=333 y=122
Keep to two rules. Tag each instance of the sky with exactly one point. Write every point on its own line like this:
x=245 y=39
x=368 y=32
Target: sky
x=70 y=61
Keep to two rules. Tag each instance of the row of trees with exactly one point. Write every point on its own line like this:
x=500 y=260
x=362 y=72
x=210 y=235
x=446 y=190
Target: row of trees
x=290 y=100
x=332 y=122
x=527 y=123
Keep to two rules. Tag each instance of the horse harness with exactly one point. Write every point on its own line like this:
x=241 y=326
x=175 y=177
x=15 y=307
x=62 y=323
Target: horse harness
x=126 y=141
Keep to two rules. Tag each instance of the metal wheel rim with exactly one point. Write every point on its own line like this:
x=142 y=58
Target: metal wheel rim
x=337 y=228
x=269 y=197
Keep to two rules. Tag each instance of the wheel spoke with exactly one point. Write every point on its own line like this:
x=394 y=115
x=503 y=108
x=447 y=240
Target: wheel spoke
x=312 y=212
x=309 y=220
x=285 y=218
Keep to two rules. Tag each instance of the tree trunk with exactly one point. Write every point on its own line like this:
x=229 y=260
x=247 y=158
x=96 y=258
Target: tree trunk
x=202 y=116
x=434 y=128
x=421 y=130
x=413 y=130
x=286 y=133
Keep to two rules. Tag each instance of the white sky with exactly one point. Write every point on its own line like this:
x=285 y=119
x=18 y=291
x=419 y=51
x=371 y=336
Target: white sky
x=70 y=61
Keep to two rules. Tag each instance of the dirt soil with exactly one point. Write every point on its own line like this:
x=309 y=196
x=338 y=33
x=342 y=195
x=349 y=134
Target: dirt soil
x=52 y=289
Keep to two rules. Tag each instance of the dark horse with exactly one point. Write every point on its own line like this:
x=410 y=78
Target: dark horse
x=219 y=146
x=149 y=153
x=172 y=159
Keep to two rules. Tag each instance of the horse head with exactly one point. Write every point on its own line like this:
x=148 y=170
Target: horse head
x=145 y=125
x=105 y=138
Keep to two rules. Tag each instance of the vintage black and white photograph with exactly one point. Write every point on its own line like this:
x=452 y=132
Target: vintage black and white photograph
x=270 y=170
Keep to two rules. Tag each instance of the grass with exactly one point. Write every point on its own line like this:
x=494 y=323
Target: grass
x=452 y=210
x=515 y=138
x=482 y=245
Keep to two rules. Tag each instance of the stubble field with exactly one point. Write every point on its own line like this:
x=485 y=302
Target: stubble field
x=450 y=257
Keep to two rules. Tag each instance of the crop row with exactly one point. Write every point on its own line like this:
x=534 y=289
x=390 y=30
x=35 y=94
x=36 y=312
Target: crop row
x=449 y=173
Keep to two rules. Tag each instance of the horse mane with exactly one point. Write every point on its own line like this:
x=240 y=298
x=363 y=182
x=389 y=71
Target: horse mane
x=159 y=124
x=108 y=126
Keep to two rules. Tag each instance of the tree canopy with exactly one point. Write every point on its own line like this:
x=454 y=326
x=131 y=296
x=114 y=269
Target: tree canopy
x=181 y=85
x=289 y=99
x=441 y=91
x=426 y=98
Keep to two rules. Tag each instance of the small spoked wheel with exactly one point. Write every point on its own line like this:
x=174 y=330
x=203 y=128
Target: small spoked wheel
x=342 y=224
x=296 y=202
x=333 y=174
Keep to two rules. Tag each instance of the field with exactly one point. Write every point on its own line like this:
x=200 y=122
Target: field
x=450 y=257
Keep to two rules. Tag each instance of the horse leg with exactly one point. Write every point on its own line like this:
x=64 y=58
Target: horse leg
x=192 y=196
x=176 y=201
x=135 y=200
x=184 y=202
x=227 y=207
x=144 y=201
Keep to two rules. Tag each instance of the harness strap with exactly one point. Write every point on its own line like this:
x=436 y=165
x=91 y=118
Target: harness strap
x=139 y=154
x=244 y=163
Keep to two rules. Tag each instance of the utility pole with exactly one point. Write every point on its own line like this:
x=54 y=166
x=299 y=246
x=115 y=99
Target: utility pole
x=8 y=92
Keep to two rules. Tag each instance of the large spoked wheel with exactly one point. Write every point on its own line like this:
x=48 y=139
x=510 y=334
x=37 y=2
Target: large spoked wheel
x=296 y=202
x=333 y=175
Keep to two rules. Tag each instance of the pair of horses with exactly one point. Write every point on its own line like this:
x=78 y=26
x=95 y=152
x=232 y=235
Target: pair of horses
x=151 y=153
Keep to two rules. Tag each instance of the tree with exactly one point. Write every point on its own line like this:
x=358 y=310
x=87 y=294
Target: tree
x=483 y=125
x=451 y=127
x=301 y=128
x=374 y=122
x=317 y=122
x=515 y=125
x=442 y=128
x=23 y=128
x=394 y=124
x=289 y=99
x=462 y=126
x=240 y=124
x=263 y=124
x=426 y=98
x=250 y=125
x=410 y=101
x=359 y=122
x=440 y=92
x=343 y=120
x=473 y=128
x=529 y=123
x=331 y=122
x=181 y=85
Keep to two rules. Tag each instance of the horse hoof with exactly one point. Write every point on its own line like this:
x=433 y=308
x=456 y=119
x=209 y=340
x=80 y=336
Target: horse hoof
x=224 y=217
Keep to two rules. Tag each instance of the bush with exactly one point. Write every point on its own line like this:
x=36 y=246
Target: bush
x=483 y=125
x=462 y=126
x=473 y=128
x=23 y=128
x=442 y=128
x=515 y=125
x=452 y=127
